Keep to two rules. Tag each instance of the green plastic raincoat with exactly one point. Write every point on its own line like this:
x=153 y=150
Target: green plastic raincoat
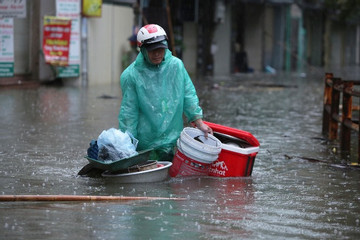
x=155 y=97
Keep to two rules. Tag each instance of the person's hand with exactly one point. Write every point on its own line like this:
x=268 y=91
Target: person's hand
x=203 y=127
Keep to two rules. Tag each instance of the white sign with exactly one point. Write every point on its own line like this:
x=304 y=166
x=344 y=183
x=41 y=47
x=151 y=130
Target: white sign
x=12 y=8
x=71 y=9
x=68 y=8
x=6 y=47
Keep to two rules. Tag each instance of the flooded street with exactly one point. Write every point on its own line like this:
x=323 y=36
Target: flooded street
x=46 y=130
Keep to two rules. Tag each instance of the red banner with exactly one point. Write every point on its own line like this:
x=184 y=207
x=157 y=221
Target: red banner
x=56 y=40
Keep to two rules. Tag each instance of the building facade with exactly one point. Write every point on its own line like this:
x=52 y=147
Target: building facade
x=213 y=37
x=103 y=43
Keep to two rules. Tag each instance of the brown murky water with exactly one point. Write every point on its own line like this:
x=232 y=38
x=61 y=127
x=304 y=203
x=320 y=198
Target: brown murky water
x=45 y=132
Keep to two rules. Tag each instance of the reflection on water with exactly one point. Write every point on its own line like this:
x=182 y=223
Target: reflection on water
x=45 y=132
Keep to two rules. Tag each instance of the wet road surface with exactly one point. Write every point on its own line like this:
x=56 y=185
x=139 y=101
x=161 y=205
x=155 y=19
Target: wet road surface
x=46 y=130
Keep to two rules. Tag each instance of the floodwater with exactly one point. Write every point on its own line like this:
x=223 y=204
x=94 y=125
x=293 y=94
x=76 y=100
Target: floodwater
x=45 y=132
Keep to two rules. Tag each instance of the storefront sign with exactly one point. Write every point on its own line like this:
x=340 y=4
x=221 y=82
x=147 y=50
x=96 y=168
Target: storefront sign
x=6 y=47
x=72 y=70
x=56 y=40
x=12 y=8
x=91 y=8
x=71 y=9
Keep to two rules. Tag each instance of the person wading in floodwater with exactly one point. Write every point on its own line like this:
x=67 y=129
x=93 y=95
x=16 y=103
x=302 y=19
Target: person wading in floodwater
x=157 y=91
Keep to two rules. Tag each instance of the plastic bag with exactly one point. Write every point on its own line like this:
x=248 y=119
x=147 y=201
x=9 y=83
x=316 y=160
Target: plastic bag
x=93 y=150
x=115 y=145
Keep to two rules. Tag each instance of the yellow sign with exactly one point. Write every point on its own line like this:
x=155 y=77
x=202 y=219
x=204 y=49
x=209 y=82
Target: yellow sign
x=91 y=8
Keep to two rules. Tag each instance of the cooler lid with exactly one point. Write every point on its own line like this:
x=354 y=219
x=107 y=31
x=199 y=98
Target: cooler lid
x=245 y=151
x=241 y=134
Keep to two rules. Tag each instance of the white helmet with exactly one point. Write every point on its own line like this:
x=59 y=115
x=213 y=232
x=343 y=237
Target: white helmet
x=149 y=34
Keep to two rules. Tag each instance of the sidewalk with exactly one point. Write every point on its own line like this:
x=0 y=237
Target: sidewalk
x=18 y=81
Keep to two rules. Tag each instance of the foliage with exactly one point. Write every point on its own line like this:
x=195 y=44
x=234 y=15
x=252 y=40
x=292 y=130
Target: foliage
x=344 y=10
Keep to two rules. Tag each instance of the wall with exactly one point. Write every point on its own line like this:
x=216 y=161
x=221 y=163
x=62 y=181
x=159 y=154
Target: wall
x=278 y=37
x=190 y=51
x=107 y=43
x=314 y=25
x=21 y=44
x=268 y=36
x=253 y=36
x=336 y=39
x=350 y=45
x=45 y=8
x=222 y=40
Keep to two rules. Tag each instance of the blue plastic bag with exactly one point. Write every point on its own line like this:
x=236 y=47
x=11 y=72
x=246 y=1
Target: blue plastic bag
x=93 y=150
x=115 y=145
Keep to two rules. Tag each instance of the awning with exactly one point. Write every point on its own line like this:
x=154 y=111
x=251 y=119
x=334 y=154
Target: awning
x=120 y=2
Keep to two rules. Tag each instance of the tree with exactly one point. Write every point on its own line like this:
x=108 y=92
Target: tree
x=344 y=10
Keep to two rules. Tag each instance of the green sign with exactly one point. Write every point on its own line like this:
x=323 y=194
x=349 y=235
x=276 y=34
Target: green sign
x=6 y=69
x=68 y=71
x=6 y=47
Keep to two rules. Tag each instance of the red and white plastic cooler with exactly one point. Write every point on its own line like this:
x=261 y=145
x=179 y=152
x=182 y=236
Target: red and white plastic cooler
x=237 y=156
x=195 y=153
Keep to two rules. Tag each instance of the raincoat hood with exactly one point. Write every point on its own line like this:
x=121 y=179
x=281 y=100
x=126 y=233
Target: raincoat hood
x=144 y=52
